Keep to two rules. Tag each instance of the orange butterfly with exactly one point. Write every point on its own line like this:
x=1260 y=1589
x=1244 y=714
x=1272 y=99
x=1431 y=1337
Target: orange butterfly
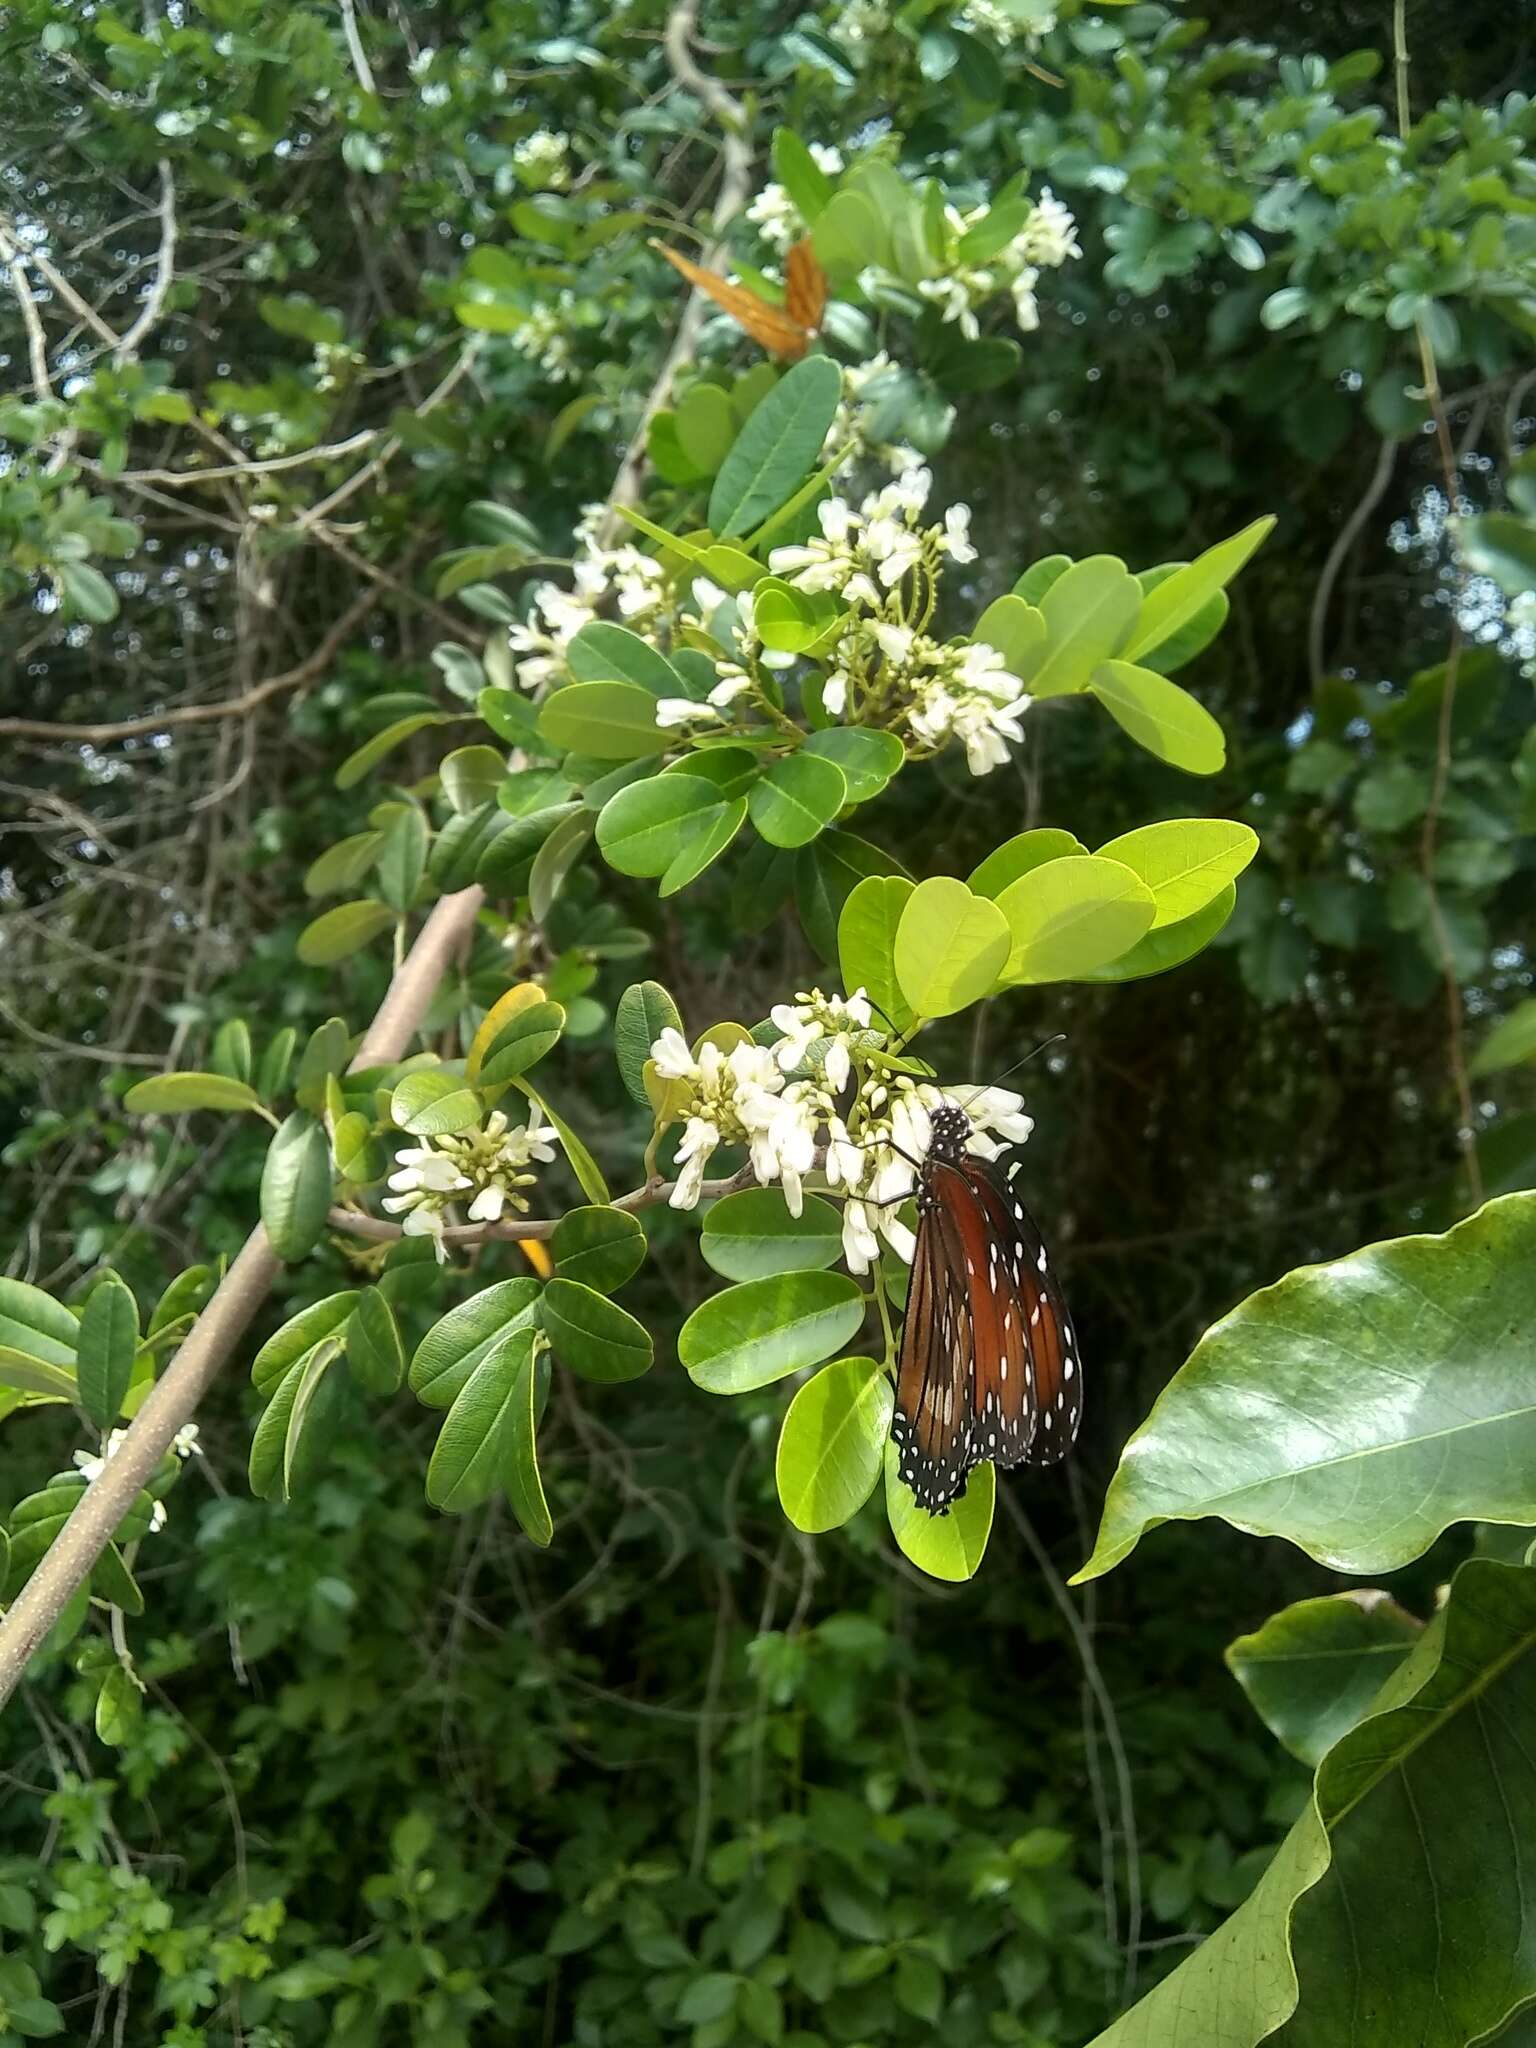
x=786 y=331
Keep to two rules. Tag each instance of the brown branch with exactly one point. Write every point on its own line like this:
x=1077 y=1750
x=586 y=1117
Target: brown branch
x=173 y=1400
x=37 y=341
x=202 y=714
x=165 y=267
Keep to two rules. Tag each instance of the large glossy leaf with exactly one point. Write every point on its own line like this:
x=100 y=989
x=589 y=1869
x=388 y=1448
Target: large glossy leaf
x=1313 y=1670
x=1399 y=1908
x=752 y=1234
x=866 y=943
x=600 y=1246
x=109 y=1337
x=776 y=448
x=592 y=1335
x=644 y=1011
x=447 y=1356
x=1071 y=916
x=1088 y=611
x=1356 y=1409
x=950 y=947
x=176 y=1094
x=1160 y=716
x=33 y=1324
x=296 y=1186
x=1180 y=598
x=948 y=1546
x=1018 y=856
x=832 y=1443
x=468 y=1457
x=1185 y=862
x=338 y=933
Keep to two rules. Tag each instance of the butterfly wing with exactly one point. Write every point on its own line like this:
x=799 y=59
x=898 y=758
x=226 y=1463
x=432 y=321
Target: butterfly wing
x=1052 y=1376
x=805 y=287
x=931 y=1426
x=772 y=327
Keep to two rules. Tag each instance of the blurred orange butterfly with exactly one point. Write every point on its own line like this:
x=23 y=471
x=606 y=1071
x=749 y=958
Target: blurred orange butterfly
x=786 y=331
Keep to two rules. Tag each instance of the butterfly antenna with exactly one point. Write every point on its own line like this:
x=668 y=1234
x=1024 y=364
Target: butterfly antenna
x=1056 y=1038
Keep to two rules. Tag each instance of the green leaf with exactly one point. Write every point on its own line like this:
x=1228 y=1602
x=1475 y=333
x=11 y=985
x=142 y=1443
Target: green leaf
x=1020 y=856
x=605 y=653
x=112 y=1581
x=184 y=1297
x=86 y=592
x=614 y=721
x=1089 y=610
x=500 y=860
x=1172 y=945
x=867 y=759
x=372 y=751
x=1396 y=1394
x=265 y=1469
x=434 y=1103
x=706 y=427
x=751 y=1234
x=826 y=873
x=1417 y=1823
x=471 y=777
x=1177 y=601
x=108 y=1341
x=1038 y=579
x=119 y=1707
x=808 y=186
x=919 y=1987
x=1511 y=1041
x=644 y=1011
x=1070 y=916
x=1313 y=1670
x=592 y=1335
x=1160 y=716
x=866 y=943
x=1194 y=636
x=336 y=934
x=948 y=1546
x=403 y=858
x=312 y=1418
x=1499 y=545
x=586 y=1169
x=950 y=947
x=646 y=827
x=374 y=1350
x=230 y=1052
x=711 y=834
x=470 y=1452
x=450 y=1351
x=520 y=1458
x=798 y=798
x=298 y=1337
x=832 y=1444
x=1017 y=630
x=600 y=1246
x=777 y=447
x=554 y=860
x=175 y=1094
x=1186 y=863
x=272 y=1074
x=521 y=1043
x=324 y=1054
x=296 y=1186
x=760 y=1332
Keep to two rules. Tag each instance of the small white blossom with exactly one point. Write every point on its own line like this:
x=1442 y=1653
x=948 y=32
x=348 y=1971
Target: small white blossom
x=672 y=711
x=828 y=1022
x=727 y=1098
x=185 y=1442
x=541 y=159
x=490 y=1165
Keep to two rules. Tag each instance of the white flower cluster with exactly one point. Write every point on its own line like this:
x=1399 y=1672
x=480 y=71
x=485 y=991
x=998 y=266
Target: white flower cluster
x=636 y=582
x=989 y=18
x=849 y=437
x=871 y=1152
x=489 y=1165
x=773 y=212
x=184 y=1443
x=861 y=22
x=886 y=668
x=1047 y=240
x=545 y=338
x=541 y=159
x=717 y=605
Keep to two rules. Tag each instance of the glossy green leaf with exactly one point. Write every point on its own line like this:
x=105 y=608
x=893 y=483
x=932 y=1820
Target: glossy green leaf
x=374 y=1350
x=752 y=1233
x=520 y=1457
x=1089 y=611
x=324 y=1054
x=832 y=1444
x=318 y=1400
x=264 y=1469
x=471 y=776
x=272 y=1073
x=1020 y=856
x=1314 y=1669
x=368 y=756
x=1172 y=945
x=1418 y=1824
x=948 y=1546
x=586 y=1169
x=477 y=845
x=108 y=1342
x=1501 y=546
x=866 y=943
x=186 y=1294
x=1160 y=716
x=802 y=177
x=600 y=1246
x=433 y=1102
x=1070 y=916
x=614 y=721
x=470 y=1452
x=1186 y=862
x=644 y=829
x=950 y=947
x=761 y=1331
x=826 y=873
x=230 y=1052
x=299 y=1336
x=1178 y=600
x=706 y=426
x=176 y=1094
x=336 y=934
x=553 y=862
x=402 y=858
x=1017 y=630
x=867 y=759
x=1190 y=639
x=521 y=1043
x=119 y=1709
x=798 y=797
x=644 y=1011
x=450 y=1351
x=296 y=1186
x=776 y=448
x=1356 y=1409
x=592 y=1335
x=605 y=653
x=1510 y=1043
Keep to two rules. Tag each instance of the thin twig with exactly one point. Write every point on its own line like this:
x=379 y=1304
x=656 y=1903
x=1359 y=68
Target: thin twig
x=173 y=1400
x=37 y=341
x=165 y=267
x=360 y=62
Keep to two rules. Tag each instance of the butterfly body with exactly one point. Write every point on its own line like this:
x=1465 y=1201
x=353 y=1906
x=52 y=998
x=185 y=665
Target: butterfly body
x=988 y=1371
